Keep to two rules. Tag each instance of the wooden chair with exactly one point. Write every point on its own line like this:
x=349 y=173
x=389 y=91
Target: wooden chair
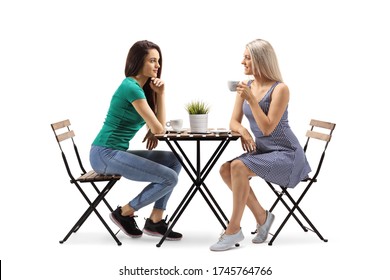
x=320 y=131
x=63 y=132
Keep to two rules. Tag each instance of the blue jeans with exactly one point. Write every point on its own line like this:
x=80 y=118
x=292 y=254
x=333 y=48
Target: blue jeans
x=161 y=168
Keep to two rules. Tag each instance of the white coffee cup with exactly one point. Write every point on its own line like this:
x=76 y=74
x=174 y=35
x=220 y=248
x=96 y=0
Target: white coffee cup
x=232 y=85
x=176 y=125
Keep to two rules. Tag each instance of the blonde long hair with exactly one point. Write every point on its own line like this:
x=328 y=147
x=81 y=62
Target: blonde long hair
x=264 y=60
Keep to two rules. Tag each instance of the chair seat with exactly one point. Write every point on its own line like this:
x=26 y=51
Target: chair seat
x=92 y=176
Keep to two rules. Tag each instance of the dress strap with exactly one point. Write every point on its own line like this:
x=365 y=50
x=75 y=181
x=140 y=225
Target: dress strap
x=273 y=86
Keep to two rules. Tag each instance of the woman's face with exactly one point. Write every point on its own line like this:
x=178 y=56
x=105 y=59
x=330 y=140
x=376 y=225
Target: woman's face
x=151 y=64
x=247 y=62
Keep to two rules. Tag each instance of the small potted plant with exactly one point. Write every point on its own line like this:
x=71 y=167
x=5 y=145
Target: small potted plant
x=198 y=113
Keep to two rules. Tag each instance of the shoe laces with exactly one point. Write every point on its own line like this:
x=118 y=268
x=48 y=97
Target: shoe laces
x=134 y=222
x=221 y=236
x=162 y=220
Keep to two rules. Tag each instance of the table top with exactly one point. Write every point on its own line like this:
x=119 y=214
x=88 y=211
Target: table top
x=186 y=135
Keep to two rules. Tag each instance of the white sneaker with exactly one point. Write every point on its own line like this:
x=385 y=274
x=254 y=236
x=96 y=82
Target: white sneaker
x=226 y=241
x=262 y=230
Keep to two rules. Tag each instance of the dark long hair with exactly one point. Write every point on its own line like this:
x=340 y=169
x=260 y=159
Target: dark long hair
x=134 y=63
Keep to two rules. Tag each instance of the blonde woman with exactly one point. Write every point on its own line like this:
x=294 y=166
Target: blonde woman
x=272 y=153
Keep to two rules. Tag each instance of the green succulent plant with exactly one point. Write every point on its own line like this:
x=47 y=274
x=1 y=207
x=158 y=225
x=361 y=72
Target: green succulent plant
x=197 y=107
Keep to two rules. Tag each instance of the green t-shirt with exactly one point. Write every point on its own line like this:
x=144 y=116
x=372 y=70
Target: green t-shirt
x=122 y=121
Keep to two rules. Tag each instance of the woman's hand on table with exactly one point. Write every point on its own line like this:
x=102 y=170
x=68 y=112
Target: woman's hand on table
x=247 y=142
x=151 y=140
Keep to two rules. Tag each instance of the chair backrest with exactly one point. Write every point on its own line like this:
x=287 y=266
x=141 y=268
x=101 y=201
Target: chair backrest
x=62 y=132
x=322 y=131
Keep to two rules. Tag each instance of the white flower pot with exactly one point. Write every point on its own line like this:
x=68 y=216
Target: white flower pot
x=199 y=123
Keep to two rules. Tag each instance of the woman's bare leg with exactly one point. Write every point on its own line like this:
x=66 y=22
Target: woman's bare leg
x=156 y=215
x=251 y=201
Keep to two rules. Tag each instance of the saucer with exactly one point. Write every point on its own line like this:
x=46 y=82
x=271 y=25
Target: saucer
x=219 y=131
x=176 y=131
x=199 y=132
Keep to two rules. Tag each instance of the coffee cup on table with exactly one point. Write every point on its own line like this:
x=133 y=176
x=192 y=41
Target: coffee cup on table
x=232 y=85
x=175 y=125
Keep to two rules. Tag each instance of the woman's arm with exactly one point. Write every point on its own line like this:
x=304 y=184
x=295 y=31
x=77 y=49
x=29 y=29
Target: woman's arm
x=160 y=105
x=279 y=102
x=154 y=124
x=159 y=87
x=247 y=141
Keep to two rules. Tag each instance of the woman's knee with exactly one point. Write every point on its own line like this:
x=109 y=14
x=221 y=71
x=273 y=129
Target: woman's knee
x=224 y=170
x=172 y=179
x=238 y=168
x=175 y=163
x=175 y=180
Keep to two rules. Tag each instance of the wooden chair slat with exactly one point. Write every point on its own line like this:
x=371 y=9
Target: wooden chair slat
x=322 y=124
x=65 y=135
x=92 y=176
x=318 y=135
x=60 y=124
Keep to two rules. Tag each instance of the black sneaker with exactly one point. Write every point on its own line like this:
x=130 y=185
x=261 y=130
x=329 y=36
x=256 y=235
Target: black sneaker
x=126 y=223
x=159 y=229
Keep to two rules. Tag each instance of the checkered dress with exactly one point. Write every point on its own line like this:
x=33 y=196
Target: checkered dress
x=279 y=157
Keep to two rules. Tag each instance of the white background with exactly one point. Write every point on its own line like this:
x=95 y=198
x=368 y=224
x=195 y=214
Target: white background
x=64 y=59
